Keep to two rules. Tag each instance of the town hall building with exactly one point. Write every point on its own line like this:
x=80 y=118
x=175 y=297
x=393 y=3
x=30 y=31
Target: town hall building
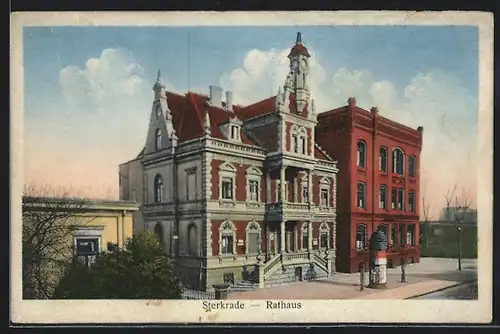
x=238 y=194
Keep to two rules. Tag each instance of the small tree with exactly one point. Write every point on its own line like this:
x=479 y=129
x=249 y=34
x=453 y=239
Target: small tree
x=140 y=271
x=426 y=218
x=48 y=222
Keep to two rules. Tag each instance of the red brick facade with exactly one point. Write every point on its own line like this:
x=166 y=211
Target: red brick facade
x=338 y=132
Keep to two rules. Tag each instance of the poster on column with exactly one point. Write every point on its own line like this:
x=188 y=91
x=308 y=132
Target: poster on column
x=201 y=115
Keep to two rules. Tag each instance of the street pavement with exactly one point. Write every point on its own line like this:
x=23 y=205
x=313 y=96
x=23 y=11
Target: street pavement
x=431 y=274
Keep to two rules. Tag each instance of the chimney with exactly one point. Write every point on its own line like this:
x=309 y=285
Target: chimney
x=351 y=102
x=216 y=96
x=229 y=101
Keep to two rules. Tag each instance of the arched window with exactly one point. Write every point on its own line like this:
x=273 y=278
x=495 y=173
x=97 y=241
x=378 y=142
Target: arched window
x=324 y=236
x=159 y=233
x=411 y=166
x=158 y=140
x=305 y=236
x=227 y=236
x=411 y=201
x=398 y=161
x=253 y=238
x=382 y=197
x=158 y=189
x=299 y=142
x=382 y=164
x=361 y=154
x=361 y=195
x=192 y=244
x=361 y=237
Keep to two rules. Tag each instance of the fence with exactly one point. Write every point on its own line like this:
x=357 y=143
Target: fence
x=188 y=294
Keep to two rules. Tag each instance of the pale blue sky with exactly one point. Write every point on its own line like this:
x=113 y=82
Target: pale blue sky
x=419 y=75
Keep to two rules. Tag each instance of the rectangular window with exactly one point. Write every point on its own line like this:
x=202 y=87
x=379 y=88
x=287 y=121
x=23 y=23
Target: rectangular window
x=305 y=240
x=324 y=197
x=400 y=199
x=411 y=166
x=227 y=188
x=360 y=237
x=411 y=201
x=401 y=234
x=253 y=243
x=253 y=189
x=394 y=198
x=410 y=235
x=393 y=235
x=295 y=143
x=382 y=203
x=191 y=186
x=303 y=145
x=87 y=250
x=227 y=244
x=324 y=240
x=305 y=193
x=234 y=132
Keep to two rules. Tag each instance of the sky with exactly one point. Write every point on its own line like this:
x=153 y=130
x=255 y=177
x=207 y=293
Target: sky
x=88 y=90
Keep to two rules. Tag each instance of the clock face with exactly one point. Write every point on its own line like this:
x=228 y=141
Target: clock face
x=303 y=64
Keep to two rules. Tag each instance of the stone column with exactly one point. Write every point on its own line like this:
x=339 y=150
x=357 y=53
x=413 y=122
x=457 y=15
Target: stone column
x=310 y=236
x=282 y=236
x=282 y=183
x=309 y=186
x=268 y=186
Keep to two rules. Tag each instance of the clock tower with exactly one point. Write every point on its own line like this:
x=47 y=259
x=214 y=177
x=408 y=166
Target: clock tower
x=299 y=69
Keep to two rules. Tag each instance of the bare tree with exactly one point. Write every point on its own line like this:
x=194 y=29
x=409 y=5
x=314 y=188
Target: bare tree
x=426 y=207
x=49 y=220
x=458 y=204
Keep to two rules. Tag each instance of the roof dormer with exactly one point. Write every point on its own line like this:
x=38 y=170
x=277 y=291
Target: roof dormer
x=232 y=129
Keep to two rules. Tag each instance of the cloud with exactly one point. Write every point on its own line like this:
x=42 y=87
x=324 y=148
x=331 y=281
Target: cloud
x=434 y=99
x=100 y=120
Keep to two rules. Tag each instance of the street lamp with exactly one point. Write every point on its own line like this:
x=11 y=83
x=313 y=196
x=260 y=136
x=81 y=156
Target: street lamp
x=459 y=229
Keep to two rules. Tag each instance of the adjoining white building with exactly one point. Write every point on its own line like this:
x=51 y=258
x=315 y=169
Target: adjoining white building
x=238 y=194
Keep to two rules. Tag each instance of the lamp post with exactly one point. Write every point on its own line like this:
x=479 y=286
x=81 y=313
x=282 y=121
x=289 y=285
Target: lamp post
x=459 y=229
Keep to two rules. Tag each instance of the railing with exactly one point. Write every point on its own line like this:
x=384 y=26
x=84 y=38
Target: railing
x=295 y=256
x=321 y=261
x=188 y=294
x=271 y=264
x=278 y=206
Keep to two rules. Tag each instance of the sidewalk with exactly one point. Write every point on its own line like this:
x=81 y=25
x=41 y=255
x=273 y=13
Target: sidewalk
x=425 y=277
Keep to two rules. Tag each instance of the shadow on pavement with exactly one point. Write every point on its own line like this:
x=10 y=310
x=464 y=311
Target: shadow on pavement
x=448 y=276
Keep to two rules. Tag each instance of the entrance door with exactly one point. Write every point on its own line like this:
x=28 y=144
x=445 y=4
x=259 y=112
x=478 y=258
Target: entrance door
x=298 y=274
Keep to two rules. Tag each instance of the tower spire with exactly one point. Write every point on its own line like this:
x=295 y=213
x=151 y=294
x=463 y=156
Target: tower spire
x=299 y=38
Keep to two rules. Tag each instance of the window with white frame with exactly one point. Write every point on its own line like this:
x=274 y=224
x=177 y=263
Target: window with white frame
x=227 y=236
x=235 y=132
x=361 y=195
x=253 y=238
x=305 y=236
x=304 y=192
x=393 y=239
x=324 y=192
x=361 y=236
x=324 y=236
x=191 y=185
x=159 y=189
x=361 y=154
x=410 y=235
x=401 y=199
x=382 y=197
x=298 y=139
x=382 y=165
x=254 y=176
x=385 y=229
x=227 y=179
x=87 y=244
x=158 y=140
x=192 y=244
x=394 y=198
x=398 y=161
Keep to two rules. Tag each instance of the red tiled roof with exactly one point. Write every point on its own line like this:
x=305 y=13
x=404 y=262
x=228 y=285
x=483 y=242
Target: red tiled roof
x=259 y=108
x=188 y=114
x=299 y=49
